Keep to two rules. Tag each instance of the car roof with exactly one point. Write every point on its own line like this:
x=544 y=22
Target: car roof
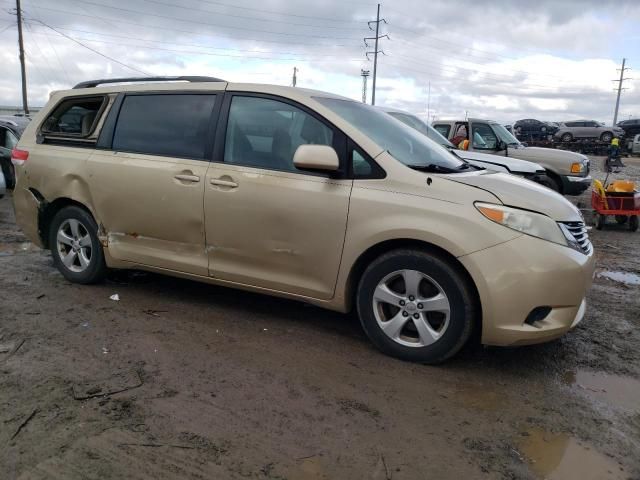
x=17 y=124
x=141 y=86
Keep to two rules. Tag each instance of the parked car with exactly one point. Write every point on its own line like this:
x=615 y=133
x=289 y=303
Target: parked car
x=568 y=171
x=635 y=146
x=11 y=128
x=532 y=129
x=576 y=129
x=631 y=128
x=529 y=170
x=306 y=195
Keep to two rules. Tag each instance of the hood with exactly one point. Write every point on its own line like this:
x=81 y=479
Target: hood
x=535 y=154
x=512 y=165
x=520 y=193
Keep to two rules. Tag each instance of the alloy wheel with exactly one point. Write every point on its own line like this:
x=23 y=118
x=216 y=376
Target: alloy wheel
x=74 y=245
x=411 y=308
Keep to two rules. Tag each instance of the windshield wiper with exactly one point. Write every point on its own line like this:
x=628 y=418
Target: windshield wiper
x=434 y=168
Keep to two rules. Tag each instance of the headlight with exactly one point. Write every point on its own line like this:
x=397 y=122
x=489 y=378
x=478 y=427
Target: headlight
x=529 y=223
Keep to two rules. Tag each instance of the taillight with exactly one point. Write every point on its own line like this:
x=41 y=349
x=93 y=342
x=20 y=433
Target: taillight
x=18 y=157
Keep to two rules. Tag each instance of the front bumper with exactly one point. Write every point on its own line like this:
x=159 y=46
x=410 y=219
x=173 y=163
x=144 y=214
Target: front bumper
x=575 y=185
x=517 y=276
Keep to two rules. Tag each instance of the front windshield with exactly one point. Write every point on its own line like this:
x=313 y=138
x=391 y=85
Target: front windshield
x=403 y=143
x=423 y=128
x=504 y=134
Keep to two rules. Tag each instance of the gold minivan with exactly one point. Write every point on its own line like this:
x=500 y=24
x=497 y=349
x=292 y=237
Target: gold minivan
x=305 y=195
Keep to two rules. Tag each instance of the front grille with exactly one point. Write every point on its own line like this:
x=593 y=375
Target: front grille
x=579 y=232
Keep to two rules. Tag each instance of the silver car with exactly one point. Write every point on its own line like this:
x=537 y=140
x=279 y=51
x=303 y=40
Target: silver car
x=574 y=129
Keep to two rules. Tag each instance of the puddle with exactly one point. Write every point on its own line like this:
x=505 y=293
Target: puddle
x=9 y=249
x=627 y=278
x=557 y=456
x=615 y=390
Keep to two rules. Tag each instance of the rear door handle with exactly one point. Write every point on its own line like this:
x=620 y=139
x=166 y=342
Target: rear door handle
x=223 y=183
x=187 y=178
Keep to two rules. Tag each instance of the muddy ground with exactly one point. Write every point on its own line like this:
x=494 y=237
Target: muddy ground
x=184 y=380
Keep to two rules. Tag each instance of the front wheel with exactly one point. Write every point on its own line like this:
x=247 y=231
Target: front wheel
x=75 y=247
x=566 y=137
x=606 y=137
x=600 y=221
x=416 y=306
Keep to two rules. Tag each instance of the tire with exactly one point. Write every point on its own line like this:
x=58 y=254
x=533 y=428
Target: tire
x=77 y=252
x=600 y=221
x=566 y=137
x=554 y=183
x=606 y=137
x=633 y=223
x=446 y=315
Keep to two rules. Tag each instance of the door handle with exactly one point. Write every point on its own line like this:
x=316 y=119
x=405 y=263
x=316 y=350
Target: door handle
x=187 y=178
x=223 y=183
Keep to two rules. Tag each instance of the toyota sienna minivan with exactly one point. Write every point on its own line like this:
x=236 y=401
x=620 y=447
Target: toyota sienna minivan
x=304 y=195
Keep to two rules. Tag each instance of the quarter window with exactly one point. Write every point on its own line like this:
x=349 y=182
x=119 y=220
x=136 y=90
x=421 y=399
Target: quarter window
x=171 y=125
x=7 y=139
x=75 y=117
x=265 y=133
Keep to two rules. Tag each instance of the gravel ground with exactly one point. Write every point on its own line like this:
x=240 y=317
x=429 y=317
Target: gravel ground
x=185 y=380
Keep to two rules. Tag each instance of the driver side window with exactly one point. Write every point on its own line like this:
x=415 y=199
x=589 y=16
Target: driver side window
x=483 y=137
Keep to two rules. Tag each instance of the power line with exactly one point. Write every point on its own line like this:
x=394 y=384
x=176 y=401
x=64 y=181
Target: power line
x=271 y=12
x=199 y=22
x=198 y=45
x=244 y=17
x=173 y=29
x=212 y=54
x=94 y=50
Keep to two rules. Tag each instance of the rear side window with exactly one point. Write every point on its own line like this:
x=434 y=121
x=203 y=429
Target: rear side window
x=74 y=117
x=443 y=129
x=172 y=125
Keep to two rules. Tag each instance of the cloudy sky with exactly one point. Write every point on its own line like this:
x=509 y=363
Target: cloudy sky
x=499 y=59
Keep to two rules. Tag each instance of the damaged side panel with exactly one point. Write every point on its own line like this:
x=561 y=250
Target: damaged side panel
x=153 y=214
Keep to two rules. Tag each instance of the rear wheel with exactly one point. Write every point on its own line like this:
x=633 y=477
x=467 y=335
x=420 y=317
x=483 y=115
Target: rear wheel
x=633 y=223
x=75 y=247
x=416 y=306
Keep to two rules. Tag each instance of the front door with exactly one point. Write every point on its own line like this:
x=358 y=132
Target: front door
x=148 y=189
x=268 y=224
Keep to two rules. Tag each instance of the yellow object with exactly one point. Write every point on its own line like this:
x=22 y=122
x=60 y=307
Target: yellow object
x=464 y=144
x=576 y=167
x=620 y=186
x=615 y=142
x=599 y=188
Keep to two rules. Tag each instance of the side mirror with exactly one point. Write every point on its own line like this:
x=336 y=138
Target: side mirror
x=501 y=145
x=316 y=157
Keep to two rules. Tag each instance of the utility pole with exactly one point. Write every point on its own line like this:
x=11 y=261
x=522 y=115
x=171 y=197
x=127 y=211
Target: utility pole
x=375 y=50
x=620 y=80
x=295 y=78
x=25 y=105
x=365 y=75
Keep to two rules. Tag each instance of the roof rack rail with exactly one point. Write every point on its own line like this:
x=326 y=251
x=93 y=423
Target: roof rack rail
x=95 y=83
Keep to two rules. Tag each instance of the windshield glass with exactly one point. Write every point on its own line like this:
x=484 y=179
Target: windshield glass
x=402 y=142
x=504 y=135
x=422 y=127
